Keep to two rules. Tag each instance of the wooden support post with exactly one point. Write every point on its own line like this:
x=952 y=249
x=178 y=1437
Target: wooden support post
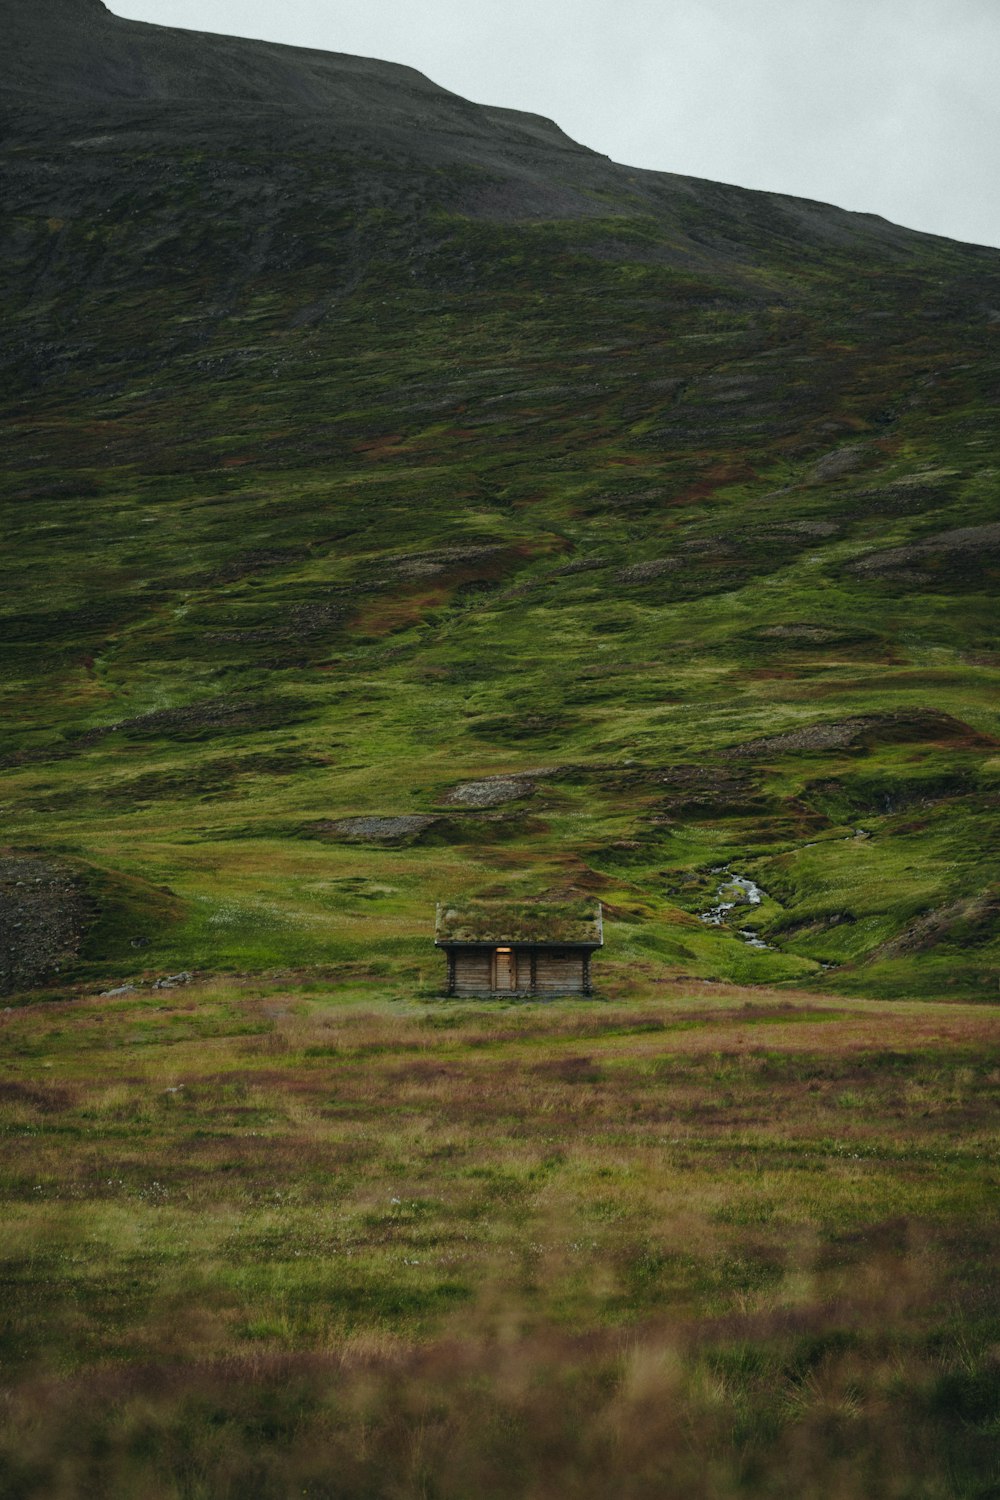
x=534 y=972
x=586 y=974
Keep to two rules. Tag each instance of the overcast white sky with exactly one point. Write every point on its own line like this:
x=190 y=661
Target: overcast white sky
x=890 y=106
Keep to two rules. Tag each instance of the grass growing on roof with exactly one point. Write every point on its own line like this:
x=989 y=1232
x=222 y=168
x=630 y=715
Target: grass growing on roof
x=521 y=922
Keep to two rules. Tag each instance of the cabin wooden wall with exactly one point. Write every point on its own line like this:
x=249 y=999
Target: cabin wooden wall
x=472 y=971
x=541 y=972
x=558 y=973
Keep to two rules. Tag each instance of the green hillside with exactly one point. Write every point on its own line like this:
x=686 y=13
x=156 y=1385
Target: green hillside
x=357 y=453
x=404 y=504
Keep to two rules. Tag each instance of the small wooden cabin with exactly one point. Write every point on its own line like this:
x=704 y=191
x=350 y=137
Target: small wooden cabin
x=508 y=949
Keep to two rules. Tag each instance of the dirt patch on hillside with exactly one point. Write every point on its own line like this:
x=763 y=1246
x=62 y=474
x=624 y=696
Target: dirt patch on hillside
x=839 y=462
x=371 y=830
x=648 y=572
x=967 y=558
x=859 y=732
x=43 y=917
x=968 y=922
x=416 y=565
x=690 y=790
x=211 y=717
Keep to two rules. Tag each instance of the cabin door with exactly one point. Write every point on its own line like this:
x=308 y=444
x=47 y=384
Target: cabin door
x=504 y=969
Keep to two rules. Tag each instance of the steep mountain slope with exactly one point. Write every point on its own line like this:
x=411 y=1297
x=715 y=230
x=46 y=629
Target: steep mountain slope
x=402 y=500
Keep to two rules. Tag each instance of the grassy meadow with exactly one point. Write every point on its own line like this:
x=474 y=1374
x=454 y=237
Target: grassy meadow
x=342 y=1238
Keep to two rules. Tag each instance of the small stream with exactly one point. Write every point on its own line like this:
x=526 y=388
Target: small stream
x=736 y=890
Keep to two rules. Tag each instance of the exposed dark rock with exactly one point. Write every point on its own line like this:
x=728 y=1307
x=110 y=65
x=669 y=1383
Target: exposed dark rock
x=968 y=557
x=43 y=916
x=646 y=572
x=841 y=461
x=210 y=716
x=493 y=791
x=691 y=789
x=417 y=565
x=402 y=829
x=897 y=499
x=805 y=635
x=844 y=734
x=581 y=565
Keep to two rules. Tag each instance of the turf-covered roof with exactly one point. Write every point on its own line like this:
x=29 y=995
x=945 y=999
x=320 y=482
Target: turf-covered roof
x=561 y=923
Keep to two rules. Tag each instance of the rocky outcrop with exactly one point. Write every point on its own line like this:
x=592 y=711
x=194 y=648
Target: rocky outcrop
x=372 y=830
x=846 y=734
x=492 y=791
x=968 y=557
x=43 y=917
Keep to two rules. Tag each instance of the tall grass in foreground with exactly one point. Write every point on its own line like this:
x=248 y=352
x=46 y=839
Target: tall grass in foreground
x=831 y=1401
x=264 y=1241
